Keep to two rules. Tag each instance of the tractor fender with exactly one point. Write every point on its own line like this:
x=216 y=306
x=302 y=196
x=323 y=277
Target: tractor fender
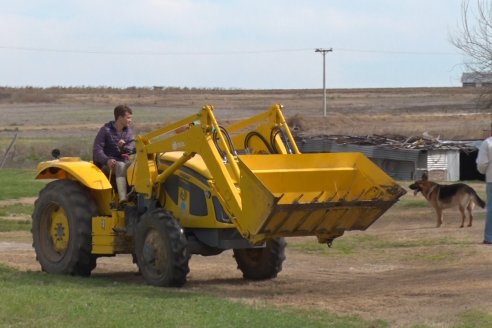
x=74 y=168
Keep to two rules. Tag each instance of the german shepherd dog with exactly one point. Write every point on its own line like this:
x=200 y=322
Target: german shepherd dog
x=446 y=196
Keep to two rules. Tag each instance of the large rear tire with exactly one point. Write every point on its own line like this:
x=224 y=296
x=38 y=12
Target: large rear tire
x=62 y=228
x=161 y=249
x=261 y=263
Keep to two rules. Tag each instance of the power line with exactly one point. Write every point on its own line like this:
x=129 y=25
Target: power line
x=391 y=52
x=218 y=53
x=152 y=53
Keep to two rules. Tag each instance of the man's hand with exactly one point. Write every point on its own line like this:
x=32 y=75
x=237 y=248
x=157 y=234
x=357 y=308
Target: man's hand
x=111 y=163
x=121 y=143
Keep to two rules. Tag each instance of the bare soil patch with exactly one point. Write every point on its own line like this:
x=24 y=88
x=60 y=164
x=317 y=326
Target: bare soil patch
x=23 y=201
x=429 y=283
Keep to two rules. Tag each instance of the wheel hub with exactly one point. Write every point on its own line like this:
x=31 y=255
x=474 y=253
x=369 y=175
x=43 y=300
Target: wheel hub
x=153 y=252
x=148 y=254
x=59 y=230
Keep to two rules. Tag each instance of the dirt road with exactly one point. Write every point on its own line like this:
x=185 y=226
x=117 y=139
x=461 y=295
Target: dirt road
x=427 y=276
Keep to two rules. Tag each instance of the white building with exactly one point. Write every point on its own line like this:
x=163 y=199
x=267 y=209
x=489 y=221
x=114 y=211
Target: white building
x=476 y=79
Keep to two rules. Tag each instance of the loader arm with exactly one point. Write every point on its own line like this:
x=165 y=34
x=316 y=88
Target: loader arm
x=203 y=136
x=264 y=127
x=267 y=187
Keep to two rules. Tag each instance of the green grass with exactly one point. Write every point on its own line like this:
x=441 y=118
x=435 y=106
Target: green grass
x=15 y=225
x=414 y=202
x=30 y=151
x=32 y=299
x=475 y=319
x=17 y=183
x=16 y=209
x=354 y=245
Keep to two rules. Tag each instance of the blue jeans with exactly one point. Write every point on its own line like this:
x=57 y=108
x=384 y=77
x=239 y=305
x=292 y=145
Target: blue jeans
x=488 y=221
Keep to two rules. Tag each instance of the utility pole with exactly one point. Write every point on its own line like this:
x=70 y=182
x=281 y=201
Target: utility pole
x=324 y=51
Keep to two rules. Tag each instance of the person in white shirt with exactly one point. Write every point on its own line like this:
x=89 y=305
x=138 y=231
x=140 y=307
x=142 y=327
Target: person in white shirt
x=484 y=166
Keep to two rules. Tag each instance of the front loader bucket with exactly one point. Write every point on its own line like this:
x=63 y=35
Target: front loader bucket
x=311 y=194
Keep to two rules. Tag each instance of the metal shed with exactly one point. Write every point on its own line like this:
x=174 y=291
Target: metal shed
x=442 y=162
x=476 y=79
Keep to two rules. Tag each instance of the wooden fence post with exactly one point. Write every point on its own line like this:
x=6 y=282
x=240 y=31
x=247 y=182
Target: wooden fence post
x=8 y=150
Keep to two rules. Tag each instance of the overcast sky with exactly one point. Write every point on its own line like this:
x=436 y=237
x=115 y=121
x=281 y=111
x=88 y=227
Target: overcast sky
x=247 y=44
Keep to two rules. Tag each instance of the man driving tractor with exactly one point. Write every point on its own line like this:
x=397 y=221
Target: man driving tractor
x=112 y=146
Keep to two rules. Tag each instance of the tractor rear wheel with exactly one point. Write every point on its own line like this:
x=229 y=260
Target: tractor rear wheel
x=62 y=228
x=161 y=249
x=261 y=263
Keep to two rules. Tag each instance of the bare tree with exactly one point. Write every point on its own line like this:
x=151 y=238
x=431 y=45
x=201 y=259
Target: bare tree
x=474 y=39
x=475 y=35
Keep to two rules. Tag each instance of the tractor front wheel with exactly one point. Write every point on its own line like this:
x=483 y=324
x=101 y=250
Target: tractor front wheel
x=62 y=229
x=161 y=249
x=261 y=263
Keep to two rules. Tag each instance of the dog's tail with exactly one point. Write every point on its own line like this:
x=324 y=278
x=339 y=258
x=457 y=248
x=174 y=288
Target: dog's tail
x=479 y=201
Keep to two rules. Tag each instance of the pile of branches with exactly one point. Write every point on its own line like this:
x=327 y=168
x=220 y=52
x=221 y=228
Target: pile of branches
x=425 y=141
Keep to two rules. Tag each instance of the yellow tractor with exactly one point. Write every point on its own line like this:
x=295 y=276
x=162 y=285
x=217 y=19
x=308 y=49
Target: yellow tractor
x=199 y=188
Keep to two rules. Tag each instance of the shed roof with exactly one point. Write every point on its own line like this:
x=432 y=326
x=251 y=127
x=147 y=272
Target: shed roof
x=398 y=142
x=476 y=77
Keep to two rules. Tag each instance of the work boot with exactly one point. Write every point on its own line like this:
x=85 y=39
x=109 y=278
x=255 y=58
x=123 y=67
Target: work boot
x=121 y=186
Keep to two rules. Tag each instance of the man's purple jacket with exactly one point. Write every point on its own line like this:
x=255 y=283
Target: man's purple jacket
x=106 y=144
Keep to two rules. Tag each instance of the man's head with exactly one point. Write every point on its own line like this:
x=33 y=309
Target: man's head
x=123 y=115
x=121 y=110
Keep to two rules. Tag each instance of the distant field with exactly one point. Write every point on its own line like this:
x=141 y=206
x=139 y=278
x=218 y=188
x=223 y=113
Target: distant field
x=69 y=118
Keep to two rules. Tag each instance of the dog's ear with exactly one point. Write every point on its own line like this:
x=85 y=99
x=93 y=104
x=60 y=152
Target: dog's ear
x=424 y=176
